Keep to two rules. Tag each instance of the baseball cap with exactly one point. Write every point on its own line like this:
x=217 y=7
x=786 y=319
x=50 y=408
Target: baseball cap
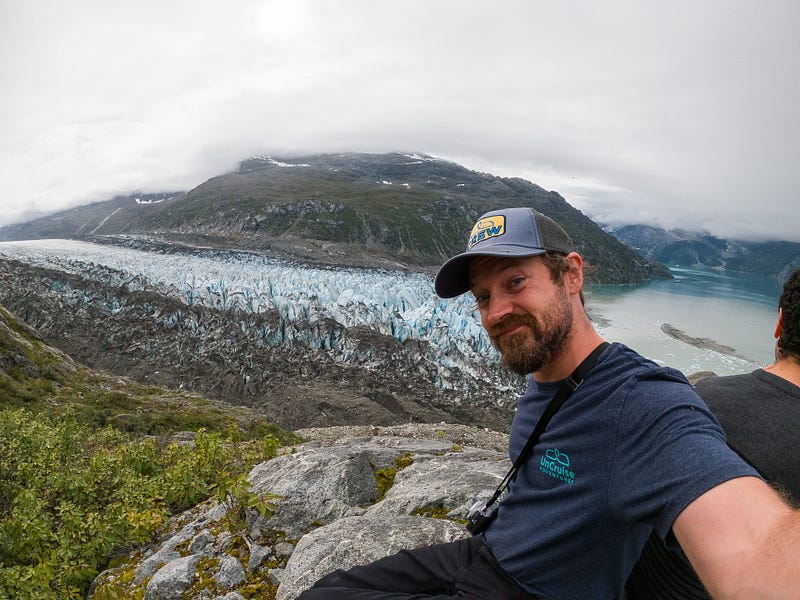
x=505 y=232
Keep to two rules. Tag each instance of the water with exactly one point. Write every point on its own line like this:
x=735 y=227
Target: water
x=737 y=311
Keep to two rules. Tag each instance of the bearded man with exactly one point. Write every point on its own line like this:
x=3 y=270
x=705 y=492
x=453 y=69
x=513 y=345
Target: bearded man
x=628 y=449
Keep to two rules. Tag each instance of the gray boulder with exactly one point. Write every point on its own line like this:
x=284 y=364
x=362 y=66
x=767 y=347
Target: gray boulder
x=231 y=573
x=171 y=580
x=357 y=541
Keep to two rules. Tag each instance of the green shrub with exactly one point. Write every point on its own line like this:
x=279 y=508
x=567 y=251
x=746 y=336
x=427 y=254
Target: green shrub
x=72 y=494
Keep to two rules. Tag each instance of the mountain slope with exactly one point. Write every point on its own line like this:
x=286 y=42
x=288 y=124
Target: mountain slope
x=393 y=211
x=36 y=375
x=118 y=215
x=688 y=248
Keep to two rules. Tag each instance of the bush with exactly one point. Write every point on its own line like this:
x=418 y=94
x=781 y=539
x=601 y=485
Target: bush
x=72 y=494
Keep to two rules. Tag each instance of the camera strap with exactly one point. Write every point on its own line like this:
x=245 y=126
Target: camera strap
x=570 y=384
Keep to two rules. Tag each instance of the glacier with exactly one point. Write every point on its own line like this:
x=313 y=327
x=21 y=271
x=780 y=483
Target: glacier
x=397 y=304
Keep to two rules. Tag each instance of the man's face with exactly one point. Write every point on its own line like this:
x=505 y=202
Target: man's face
x=527 y=315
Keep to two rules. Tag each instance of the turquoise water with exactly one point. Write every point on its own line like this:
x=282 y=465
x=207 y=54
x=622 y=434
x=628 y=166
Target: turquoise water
x=736 y=311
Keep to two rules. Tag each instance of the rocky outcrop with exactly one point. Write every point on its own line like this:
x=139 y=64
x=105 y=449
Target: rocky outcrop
x=347 y=496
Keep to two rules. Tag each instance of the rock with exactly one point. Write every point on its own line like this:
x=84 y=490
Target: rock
x=695 y=377
x=359 y=540
x=339 y=477
x=230 y=572
x=151 y=564
x=258 y=554
x=329 y=515
x=171 y=580
x=452 y=481
x=202 y=542
x=324 y=483
x=230 y=596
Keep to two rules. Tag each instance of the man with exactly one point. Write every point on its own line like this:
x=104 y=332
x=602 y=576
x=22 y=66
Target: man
x=638 y=451
x=760 y=413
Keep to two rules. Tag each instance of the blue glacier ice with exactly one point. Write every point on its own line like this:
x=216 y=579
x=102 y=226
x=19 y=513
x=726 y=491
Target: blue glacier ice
x=397 y=304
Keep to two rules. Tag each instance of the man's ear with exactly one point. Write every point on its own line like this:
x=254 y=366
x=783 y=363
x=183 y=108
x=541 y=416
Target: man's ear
x=779 y=324
x=573 y=278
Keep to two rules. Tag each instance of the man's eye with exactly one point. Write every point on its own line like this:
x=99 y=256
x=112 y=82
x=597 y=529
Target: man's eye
x=516 y=281
x=481 y=300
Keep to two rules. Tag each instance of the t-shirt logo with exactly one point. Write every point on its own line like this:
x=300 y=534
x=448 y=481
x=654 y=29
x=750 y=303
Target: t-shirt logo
x=487 y=228
x=556 y=465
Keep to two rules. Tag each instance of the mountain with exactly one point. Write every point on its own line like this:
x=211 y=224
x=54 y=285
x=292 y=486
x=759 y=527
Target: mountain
x=304 y=290
x=118 y=215
x=688 y=248
x=394 y=211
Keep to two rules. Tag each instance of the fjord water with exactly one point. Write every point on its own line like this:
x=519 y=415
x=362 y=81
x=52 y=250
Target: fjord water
x=733 y=310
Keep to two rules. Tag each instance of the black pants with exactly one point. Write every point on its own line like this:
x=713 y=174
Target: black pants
x=461 y=569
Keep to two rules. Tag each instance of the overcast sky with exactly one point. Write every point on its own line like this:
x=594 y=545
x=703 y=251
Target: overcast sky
x=672 y=113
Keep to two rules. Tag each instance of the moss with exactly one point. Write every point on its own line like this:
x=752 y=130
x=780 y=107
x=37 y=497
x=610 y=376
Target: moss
x=183 y=547
x=238 y=548
x=438 y=511
x=203 y=584
x=405 y=460
x=385 y=479
x=258 y=586
x=118 y=585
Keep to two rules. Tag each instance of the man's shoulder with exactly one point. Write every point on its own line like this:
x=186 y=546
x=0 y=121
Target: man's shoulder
x=760 y=385
x=634 y=367
x=642 y=385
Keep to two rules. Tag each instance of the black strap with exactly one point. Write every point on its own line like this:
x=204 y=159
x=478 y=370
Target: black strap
x=570 y=384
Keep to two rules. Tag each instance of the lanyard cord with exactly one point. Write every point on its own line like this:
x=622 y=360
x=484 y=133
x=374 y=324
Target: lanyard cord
x=570 y=385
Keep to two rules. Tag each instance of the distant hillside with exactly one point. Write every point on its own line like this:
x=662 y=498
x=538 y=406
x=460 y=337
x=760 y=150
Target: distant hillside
x=118 y=215
x=393 y=211
x=686 y=248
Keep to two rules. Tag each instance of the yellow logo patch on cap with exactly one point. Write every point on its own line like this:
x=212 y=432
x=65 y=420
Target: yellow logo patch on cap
x=486 y=228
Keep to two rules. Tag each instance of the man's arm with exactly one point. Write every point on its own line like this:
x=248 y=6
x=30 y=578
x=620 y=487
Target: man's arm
x=743 y=541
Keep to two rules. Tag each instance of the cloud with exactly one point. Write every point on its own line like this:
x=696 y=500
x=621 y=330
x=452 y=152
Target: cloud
x=670 y=113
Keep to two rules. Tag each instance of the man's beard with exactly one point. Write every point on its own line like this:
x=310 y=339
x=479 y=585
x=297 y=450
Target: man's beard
x=542 y=339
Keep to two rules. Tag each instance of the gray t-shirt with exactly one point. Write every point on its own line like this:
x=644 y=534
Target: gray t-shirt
x=760 y=414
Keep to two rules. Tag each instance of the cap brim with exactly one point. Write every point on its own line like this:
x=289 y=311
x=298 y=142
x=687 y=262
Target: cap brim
x=453 y=277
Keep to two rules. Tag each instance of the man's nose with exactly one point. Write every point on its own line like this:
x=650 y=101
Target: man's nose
x=497 y=308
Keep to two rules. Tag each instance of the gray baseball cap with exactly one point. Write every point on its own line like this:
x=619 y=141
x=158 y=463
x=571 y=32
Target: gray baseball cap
x=505 y=232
